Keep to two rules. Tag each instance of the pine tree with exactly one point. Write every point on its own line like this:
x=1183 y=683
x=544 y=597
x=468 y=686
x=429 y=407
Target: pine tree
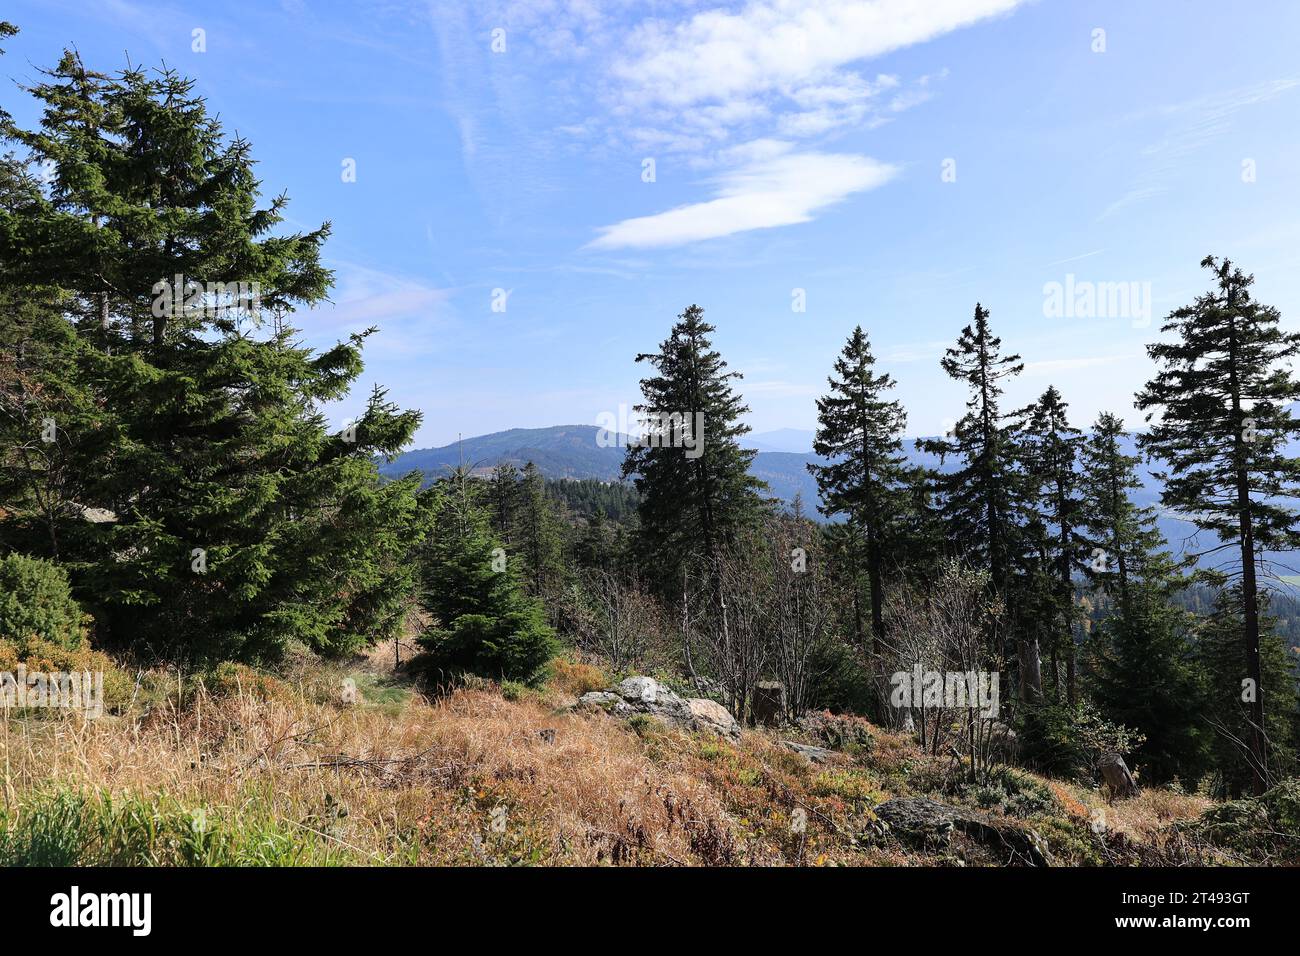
x=1050 y=448
x=503 y=501
x=695 y=486
x=1141 y=667
x=981 y=503
x=230 y=519
x=1127 y=547
x=1227 y=706
x=538 y=537
x=859 y=434
x=1223 y=390
x=483 y=623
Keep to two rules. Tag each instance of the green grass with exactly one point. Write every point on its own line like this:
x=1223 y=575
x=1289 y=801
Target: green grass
x=67 y=827
x=389 y=696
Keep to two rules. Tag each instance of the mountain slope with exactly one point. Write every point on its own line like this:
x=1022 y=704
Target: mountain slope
x=572 y=451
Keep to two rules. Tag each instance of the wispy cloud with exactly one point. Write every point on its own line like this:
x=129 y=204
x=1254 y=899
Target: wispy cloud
x=773 y=192
x=406 y=311
x=1193 y=125
x=1050 y=366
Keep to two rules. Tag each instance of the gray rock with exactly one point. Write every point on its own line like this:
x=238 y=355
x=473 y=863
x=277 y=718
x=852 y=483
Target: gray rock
x=710 y=715
x=645 y=695
x=1119 y=780
x=920 y=820
x=815 y=754
x=606 y=701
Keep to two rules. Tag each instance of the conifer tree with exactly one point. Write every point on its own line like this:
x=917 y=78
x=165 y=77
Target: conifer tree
x=981 y=503
x=229 y=519
x=1050 y=448
x=859 y=433
x=482 y=622
x=538 y=537
x=695 y=486
x=1227 y=707
x=1141 y=667
x=1223 y=391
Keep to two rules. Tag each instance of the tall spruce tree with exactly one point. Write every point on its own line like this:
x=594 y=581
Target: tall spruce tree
x=1050 y=449
x=1140 y=660
x=695 y=486
x=981 y=503
x=1223 y=391
x=859 y=433
x=229 y=520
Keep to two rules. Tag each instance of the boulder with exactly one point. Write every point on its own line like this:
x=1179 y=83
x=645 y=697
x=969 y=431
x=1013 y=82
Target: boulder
x=815 y=754
x=767 y=703
x=605 y=700
x=710 y=715
x=645 y=695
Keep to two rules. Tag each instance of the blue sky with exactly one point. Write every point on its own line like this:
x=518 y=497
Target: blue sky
x=795 y=146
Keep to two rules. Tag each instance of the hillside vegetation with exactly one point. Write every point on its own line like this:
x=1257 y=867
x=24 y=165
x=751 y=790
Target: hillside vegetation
x=249 y=768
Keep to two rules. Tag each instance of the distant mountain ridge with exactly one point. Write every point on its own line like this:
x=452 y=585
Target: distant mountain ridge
x=572 y=451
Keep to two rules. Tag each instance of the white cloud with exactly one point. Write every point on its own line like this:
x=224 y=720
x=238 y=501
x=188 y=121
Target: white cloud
x=779 y=46
x=777 y=190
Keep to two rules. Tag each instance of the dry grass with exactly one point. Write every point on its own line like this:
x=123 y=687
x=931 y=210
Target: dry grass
x=473 y=778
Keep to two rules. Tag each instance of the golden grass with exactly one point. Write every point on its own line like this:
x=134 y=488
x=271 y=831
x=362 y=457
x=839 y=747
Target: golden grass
x=473 y=778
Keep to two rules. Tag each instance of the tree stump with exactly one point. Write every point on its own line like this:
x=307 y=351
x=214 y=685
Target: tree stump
x=767 y=704
x=1118 y=779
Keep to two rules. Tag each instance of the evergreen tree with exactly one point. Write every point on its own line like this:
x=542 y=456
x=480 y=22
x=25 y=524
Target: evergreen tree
x=1141 y=666
x=538 y=537
x=1050 y=448
x=859 y=433
x=228 y=519
x=1227 y=707
x=1223 y=390
x=1127 y=545
x=483 y=623
x=981 y=503
x=695 y=486
x=503 y=500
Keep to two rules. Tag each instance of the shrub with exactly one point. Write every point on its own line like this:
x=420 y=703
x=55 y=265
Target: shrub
x=576 y=678
x=41 y=656
x=36 y=603
x=1264 y=828
x=514 y=646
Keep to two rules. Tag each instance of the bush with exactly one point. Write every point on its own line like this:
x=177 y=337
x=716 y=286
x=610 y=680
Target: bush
x=44 y=657
x=515 y=646
x=36 y=603
x=1264 y=828
x=576 y=678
